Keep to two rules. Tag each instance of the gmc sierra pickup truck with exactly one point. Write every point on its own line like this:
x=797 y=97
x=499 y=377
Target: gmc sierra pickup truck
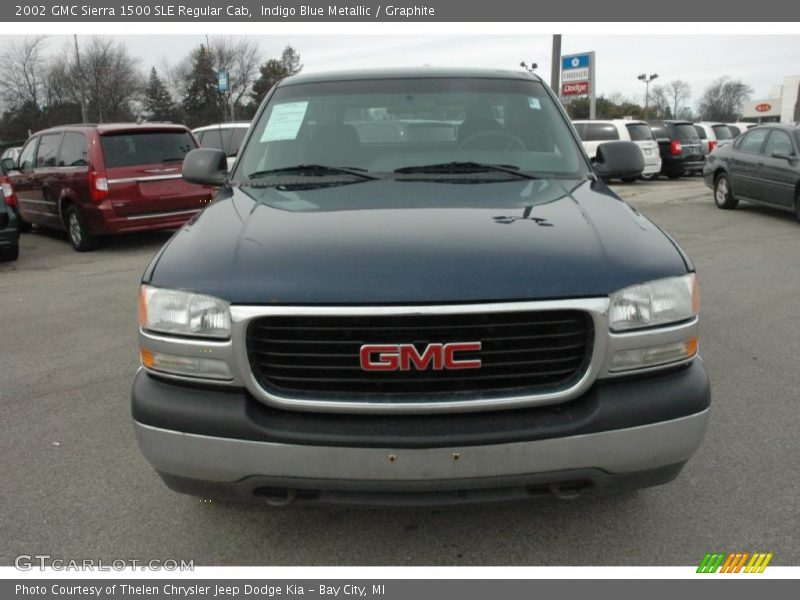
x=413 y=286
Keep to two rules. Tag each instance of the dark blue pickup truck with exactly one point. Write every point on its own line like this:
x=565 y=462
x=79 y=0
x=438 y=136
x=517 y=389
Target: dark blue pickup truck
x=414 y=287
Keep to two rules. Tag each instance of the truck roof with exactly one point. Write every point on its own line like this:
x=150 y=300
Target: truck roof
x=408 y=73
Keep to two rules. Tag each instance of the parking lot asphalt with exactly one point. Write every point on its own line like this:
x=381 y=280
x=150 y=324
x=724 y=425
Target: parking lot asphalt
x=73 y=484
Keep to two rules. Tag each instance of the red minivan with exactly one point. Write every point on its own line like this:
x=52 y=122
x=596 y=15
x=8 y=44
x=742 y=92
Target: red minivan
x=95 y=180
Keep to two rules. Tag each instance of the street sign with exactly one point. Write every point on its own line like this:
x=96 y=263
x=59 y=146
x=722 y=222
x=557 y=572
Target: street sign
x=577 y=78
x=222 y=81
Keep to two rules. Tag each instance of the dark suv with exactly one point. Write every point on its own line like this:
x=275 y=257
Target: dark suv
x=414 y=286
x=682 y=151
x=94 y=180
x=9 y=225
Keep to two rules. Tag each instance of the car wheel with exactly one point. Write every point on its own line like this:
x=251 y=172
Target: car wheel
x=674 y=175
x=629 y=179
x=797 y=207
x=10 y=253
x=723 y=196
x=23 y=226
x=78 y=233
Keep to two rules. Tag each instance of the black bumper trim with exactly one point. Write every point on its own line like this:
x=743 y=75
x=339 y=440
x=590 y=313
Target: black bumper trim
x=608 y=405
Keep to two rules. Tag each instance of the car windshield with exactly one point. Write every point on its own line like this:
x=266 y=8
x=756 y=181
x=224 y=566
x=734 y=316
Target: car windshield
x=128 y=149
x=396 y=127
x=685 y=132
x=639 y=132
x=722 y=132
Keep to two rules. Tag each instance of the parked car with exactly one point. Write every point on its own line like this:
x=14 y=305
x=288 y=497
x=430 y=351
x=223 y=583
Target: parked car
x=740 y=127
x=417 y=321
x=762 y=165
x=6 y=165
x=227 y=137
x=713 y=135
x=681 y=149
x=593 y=133
x=12 y=153
x=9 y=230
x=94 y=180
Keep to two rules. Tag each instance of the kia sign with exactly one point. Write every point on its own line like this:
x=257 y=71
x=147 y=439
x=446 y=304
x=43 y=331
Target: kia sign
x=579 y=88
x=763 y=107
x=577 y=78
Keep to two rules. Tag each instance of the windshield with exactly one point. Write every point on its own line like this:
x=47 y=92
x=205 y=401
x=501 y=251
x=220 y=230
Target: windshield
x=685 y=132
x=722 y=132
x=385 y=125
x=640 y=132
x=145 y=148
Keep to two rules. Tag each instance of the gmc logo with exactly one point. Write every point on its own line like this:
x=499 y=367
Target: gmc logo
x=404 y=357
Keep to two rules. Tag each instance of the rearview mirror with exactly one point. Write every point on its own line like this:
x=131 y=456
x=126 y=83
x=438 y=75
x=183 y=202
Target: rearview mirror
x=618 y=160
x=9 y=164
x=784 y=155
x=206 y=166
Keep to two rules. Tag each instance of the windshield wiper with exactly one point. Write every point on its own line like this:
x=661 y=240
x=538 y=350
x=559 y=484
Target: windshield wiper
x=172 y=159
x=313 y=171
x=460 y=168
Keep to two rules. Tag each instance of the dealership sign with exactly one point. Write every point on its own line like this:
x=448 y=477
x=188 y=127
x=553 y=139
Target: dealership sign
x=579 y=88
x=577 y=77
x=764 y=107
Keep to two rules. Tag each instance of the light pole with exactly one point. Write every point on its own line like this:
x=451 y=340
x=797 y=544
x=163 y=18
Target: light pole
x=647 y=79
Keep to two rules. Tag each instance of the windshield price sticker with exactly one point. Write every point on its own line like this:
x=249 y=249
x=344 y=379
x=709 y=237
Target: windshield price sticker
x=284 y=122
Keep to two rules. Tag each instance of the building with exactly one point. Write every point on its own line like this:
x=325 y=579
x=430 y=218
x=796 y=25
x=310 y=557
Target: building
x=782 y=106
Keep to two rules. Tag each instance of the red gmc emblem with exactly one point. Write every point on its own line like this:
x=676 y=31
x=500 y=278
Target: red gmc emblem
x=404 y=357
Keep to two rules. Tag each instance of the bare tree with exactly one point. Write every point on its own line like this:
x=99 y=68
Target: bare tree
x=112 y=79
x=241 y=60
x=724 y=100
x=24 y=71
x=659 y=102
x=679 y=93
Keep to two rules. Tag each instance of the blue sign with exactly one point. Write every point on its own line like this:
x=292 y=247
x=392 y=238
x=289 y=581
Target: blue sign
x=576 y=61
x=222 y=81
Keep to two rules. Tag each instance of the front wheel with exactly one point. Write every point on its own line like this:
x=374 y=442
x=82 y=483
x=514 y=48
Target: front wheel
x=9 y=254
x=723 y=196
x=78 y=233
x=23 y=226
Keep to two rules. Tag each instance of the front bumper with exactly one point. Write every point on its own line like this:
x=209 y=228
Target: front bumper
x=224 y=444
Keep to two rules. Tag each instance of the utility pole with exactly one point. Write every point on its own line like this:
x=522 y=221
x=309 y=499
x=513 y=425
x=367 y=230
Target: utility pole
x=81 y=84
x=555 y=66
x=646 y=79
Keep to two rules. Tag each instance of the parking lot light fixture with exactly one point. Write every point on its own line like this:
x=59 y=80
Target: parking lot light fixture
x=646 y=79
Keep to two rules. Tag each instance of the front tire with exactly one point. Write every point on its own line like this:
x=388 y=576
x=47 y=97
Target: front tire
x=723 y=195
x=77 y=232
x=23 y=226
x=9 y=254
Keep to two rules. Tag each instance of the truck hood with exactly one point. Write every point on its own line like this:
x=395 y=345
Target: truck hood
x=404 y=242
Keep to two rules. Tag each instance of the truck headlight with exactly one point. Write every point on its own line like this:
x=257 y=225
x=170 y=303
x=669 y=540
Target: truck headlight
x=183 y=313
x=654 y=303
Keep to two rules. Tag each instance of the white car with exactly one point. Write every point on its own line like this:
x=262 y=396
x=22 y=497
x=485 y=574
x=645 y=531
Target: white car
x=739 y=128
x=713 y=135
x=227 y=137
x=594 y=133
x=12 y=153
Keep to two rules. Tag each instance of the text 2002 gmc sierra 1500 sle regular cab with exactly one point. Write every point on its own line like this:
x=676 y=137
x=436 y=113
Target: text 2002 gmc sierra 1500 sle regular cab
x=415 y=287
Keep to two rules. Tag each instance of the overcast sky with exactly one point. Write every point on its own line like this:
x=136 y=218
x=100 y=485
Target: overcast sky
x=762 y=61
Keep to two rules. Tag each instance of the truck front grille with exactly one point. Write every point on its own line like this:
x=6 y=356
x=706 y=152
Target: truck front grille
x=317 y=357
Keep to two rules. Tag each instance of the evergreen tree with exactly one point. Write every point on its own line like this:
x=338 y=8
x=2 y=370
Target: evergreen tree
x=273 y=71
x=202 y=103
x=158 y=104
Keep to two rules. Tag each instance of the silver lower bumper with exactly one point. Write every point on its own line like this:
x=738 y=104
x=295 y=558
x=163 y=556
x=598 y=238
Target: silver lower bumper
x=222 y=460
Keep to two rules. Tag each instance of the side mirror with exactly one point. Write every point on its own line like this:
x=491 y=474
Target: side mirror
x=784 y=155
x=206 y=166
x=9 y=164
x=618 y=160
